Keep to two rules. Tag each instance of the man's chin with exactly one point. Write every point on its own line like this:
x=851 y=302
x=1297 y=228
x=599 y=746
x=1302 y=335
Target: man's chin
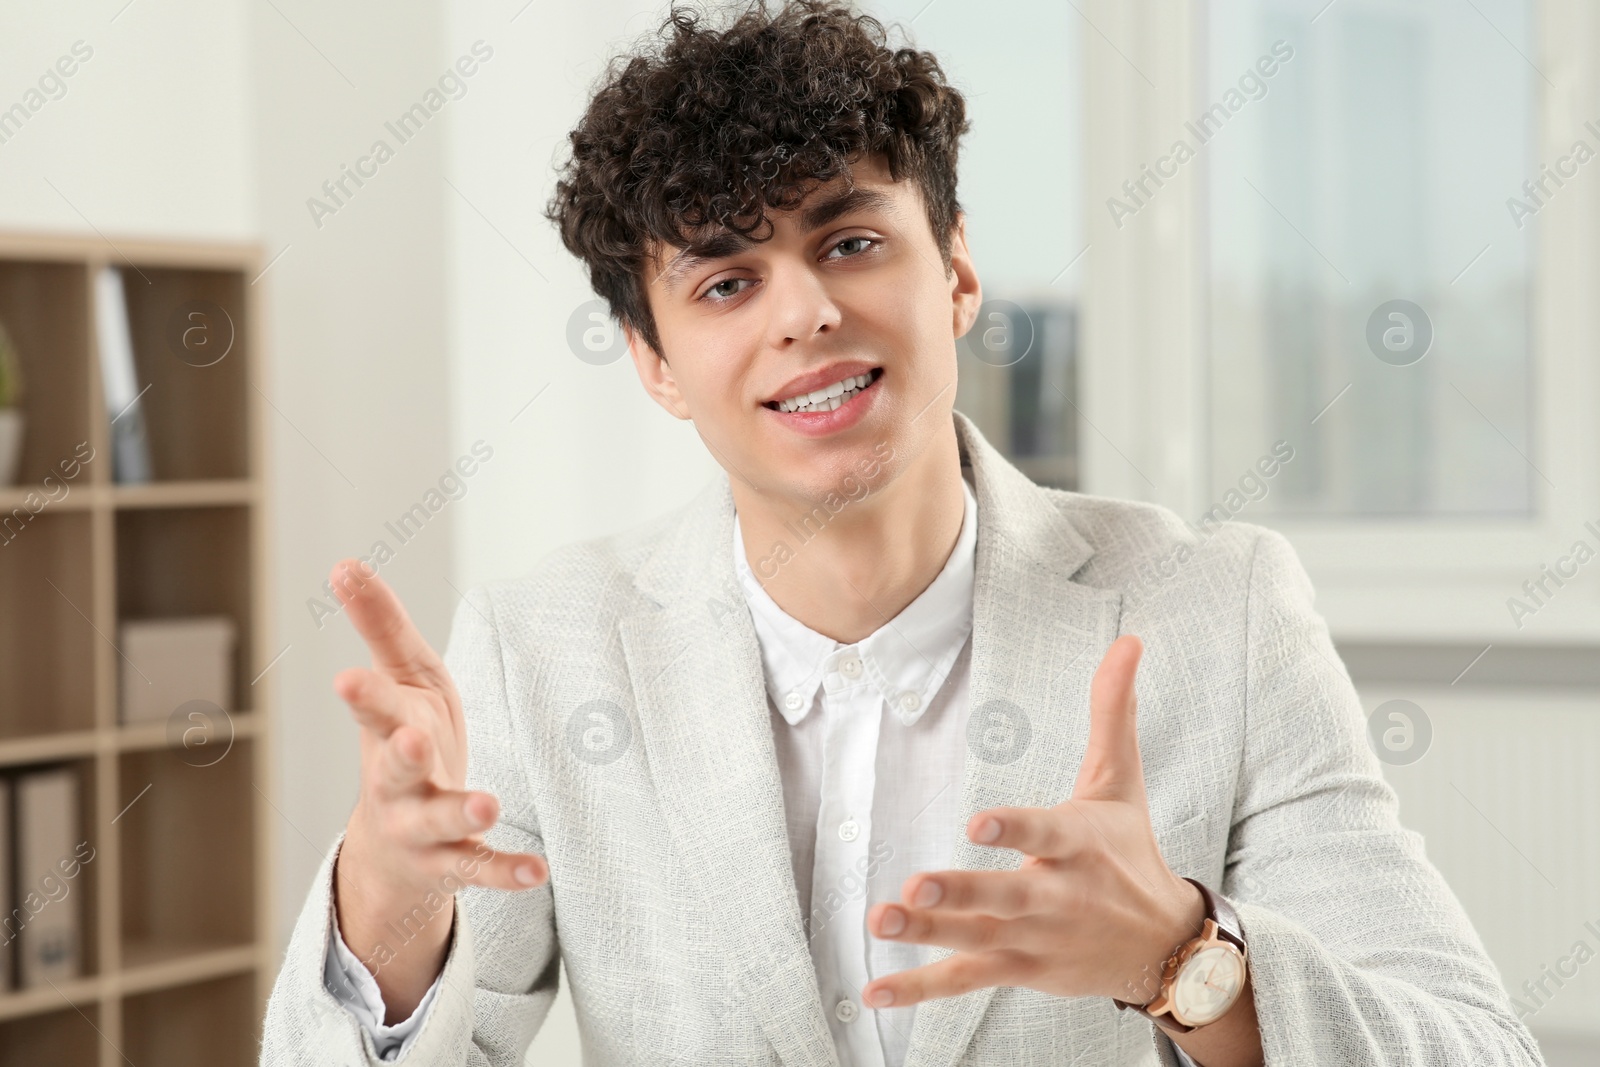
x=845 y=474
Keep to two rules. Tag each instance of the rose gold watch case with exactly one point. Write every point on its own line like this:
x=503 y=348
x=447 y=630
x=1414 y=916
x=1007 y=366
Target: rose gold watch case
x=1163 y=1011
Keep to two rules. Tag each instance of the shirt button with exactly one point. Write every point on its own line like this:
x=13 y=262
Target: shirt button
x=793 y=701
x=909 y=701
x=850 y=667
x=849 y=830
x=845 y=1010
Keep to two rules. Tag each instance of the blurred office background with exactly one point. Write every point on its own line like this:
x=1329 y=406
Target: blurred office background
x=1346 y=260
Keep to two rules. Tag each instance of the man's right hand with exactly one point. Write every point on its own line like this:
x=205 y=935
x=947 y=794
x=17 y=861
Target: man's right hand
x=415 y=831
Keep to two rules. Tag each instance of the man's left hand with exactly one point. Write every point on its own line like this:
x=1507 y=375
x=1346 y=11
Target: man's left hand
x=1093 y=909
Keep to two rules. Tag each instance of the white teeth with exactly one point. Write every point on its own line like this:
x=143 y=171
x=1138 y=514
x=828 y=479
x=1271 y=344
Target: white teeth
x=829 y=398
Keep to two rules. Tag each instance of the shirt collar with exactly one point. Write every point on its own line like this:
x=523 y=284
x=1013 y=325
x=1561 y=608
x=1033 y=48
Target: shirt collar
x=907 y=659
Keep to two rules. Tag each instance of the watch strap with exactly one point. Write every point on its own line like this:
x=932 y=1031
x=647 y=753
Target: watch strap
x=1227 y=919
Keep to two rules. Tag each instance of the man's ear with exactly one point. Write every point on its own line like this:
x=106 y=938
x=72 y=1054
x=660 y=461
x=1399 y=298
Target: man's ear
x=655 y=374
x=966 y=292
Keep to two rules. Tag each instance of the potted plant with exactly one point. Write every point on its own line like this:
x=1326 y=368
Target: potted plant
x=10 y=409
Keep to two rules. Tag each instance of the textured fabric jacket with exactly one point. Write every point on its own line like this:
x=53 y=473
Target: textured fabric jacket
x=672 y=898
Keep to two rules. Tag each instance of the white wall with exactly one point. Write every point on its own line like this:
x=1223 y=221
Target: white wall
x=152 y=134
x=513 y=288
x=358 y=379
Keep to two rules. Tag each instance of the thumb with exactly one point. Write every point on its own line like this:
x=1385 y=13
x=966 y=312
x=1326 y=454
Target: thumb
x=1111 y=769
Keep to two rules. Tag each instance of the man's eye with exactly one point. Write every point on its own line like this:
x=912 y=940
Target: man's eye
x=719 y=292
x=863 y=241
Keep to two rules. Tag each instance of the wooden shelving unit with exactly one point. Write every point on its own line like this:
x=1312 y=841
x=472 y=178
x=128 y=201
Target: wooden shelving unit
x=179 y=954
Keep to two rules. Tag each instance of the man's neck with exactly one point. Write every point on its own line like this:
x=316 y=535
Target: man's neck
x=868 y=560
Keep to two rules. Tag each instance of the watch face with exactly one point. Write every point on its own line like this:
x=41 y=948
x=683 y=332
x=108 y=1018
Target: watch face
x=1207 y=985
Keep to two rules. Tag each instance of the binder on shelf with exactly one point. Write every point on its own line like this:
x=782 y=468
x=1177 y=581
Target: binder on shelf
x=50 y=939
x=166 y=663
x=130 y=446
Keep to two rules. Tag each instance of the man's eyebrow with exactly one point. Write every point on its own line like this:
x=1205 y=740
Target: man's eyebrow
x=718 y=246
x=728 y=243
x=858 y=199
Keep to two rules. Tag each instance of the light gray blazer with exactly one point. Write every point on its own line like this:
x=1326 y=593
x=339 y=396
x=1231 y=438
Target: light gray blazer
x=672 y=898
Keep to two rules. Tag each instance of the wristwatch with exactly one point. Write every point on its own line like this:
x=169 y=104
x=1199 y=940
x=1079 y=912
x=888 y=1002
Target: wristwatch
x=1204 y=976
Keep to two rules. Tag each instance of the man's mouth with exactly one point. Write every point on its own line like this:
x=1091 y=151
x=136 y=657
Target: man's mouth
x=828 y=397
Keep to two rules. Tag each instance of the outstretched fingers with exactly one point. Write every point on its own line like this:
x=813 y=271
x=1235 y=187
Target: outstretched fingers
x=405 y=763
x=442 y=817
x=397 y=647
x=478 y=864
x=376 y=701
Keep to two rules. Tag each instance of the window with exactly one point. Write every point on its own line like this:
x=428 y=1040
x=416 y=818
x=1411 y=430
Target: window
x=1369 y=287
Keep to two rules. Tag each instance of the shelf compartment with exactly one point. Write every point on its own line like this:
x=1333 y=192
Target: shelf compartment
x=47 y=643
x=188 y=872
x=66 y=1038
x=45 y=308
x=196 y=416
x=189 y=561
x=212 y=1023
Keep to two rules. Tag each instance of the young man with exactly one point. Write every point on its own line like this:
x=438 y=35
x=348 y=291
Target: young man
x=840 y=764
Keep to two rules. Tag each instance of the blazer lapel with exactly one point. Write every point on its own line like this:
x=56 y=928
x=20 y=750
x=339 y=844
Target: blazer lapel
x=701 y=699
x=1037 y=638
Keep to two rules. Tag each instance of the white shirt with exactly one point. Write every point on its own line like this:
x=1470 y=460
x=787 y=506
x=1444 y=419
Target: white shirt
x=890 y=709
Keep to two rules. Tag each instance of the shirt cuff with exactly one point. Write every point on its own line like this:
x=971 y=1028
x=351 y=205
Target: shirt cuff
x=1183 y=1057
x=352 y=985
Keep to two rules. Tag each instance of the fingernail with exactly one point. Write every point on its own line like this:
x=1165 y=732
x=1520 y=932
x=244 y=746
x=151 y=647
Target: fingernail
x=474 y=820
x=880 y=998
x=987 y=831
x=894 y=921
x=928 y=895
x=526 y=874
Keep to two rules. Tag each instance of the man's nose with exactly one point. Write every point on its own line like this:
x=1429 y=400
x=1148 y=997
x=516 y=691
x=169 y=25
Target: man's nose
x=800 y=305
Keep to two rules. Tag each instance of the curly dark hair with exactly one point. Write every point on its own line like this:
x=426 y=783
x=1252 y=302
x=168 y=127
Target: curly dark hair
x=721 y=124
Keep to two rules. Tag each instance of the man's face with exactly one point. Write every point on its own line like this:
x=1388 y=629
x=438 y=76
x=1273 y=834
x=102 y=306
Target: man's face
x=850 y=294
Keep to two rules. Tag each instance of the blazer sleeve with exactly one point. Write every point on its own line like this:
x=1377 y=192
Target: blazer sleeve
x=1360 y=953
x=492 y=1000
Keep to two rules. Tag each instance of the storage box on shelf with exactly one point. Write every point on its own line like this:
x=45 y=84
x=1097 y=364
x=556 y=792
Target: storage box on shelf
x=177 y=954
